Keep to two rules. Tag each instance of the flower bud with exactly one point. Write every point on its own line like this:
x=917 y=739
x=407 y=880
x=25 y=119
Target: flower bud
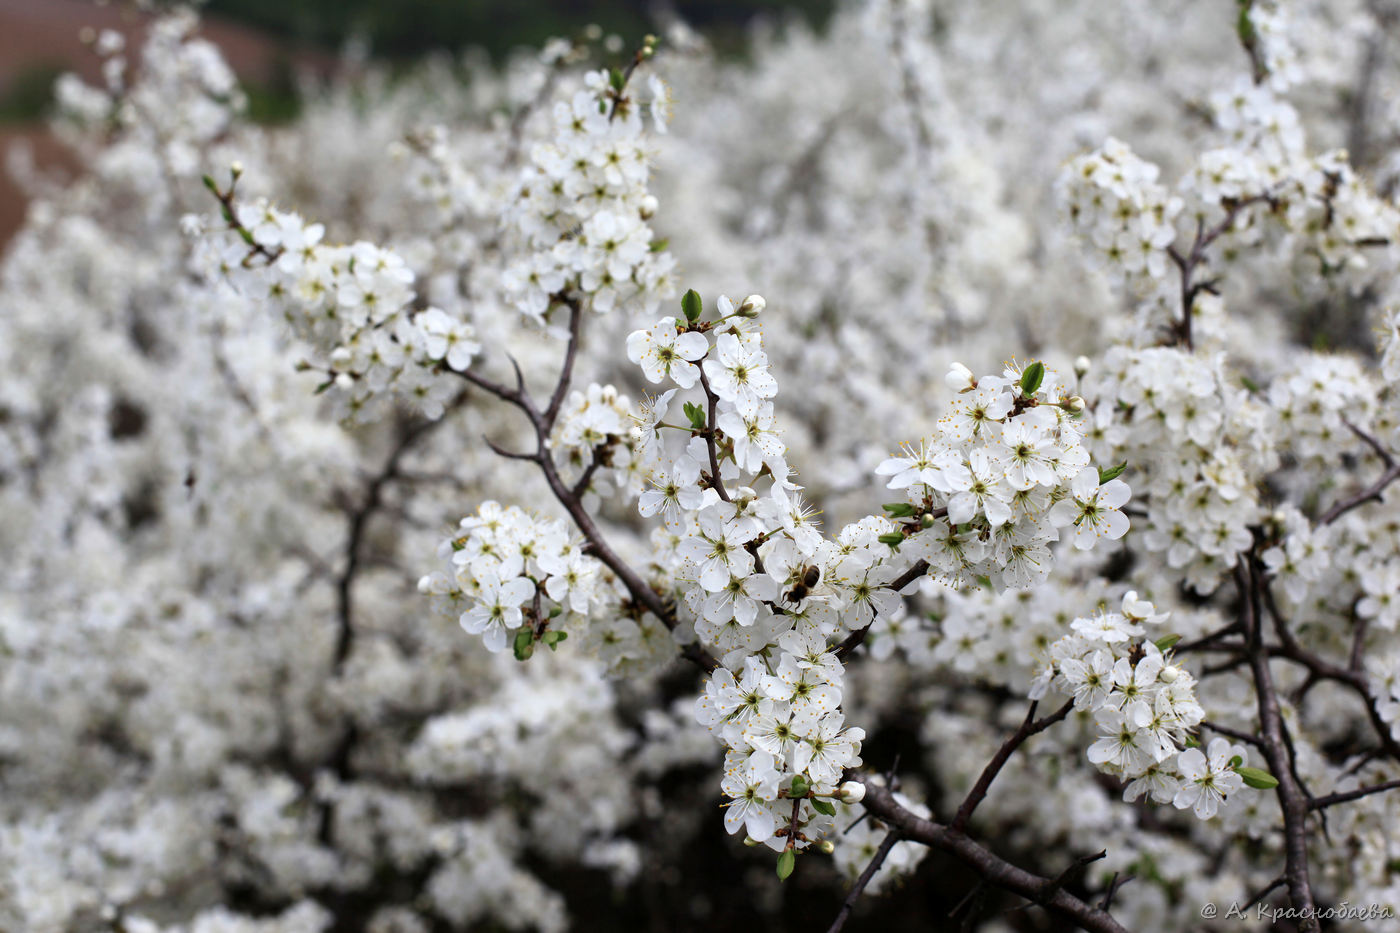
x=648 y=207
x=752 y=305
x=236 y=168
x=1169 y=674
x=926 y=520
x=1081 y=366
x=852 y=792
x=1074 y=403
x=751 y=842
x=827 y=847
x=960 y=378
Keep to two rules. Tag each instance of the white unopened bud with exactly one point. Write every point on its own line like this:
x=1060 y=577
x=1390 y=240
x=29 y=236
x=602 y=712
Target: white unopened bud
x=1074 y=403
x=852 y=792
x=1081 y=366
x=1169 y=674
x=827 y=847
x=752 y=305
x=236 y=168
x=648 y=207
x=960 y=378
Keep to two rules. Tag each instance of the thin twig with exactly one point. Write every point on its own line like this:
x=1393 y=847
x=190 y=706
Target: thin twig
x=1319 y=803
x=853 y=895
x=1029 y=727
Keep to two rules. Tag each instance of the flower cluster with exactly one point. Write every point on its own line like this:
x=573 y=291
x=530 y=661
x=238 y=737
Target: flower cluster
x=512 y=575
x=1199 y=494
x=1144 y=707
x=582 y=206
x=1112 y=198
x=1006 y=470
x=787 y=741
x=350 y=304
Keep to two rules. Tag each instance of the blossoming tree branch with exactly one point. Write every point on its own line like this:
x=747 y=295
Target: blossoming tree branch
x=1137 y=587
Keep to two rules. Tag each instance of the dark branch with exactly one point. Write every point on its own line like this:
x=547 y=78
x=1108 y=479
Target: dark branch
x=881 y=803
x=853 y=895
x=1029 y=727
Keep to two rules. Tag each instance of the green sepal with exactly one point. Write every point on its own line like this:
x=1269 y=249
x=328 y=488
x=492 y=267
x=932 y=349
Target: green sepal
x=1031 y=378
x=799 y=787
x=786 y=863
x=1258 y=779
x=616 y=78
x=553 y=638
x=1236 y=761
x=1112 y=472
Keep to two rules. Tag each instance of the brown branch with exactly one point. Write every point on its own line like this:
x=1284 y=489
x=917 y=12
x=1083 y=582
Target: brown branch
x=853 y=895
x=1324 y=670
x=1235 y=734
x=1292 y=799
x=853 y=641
x=566 y=374
x=712 y=401
x=641 y=594
x=1328 y=800
x=880 y=801
x=359 y=523
x=1372 y=492
x=1188 y=265
x=1264 y=892
x=1029 y=727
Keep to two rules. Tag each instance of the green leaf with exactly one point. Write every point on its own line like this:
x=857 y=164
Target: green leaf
x=1166 y=641
x=696 y=414
x=893 y=539
x=799 y=787
x=1031 y=378
x=786 y=863
x=324 y=386
x=899 y=509
x=1249 y=384
x=1259 y=780
x=1236 y=761
x=553 y=638
x=660 y=245
x=211 y=185
x=616 y=78
x=1112 y=472
x=692 y=305
x=1192 y=742
x=823 y=806
x=524 y=644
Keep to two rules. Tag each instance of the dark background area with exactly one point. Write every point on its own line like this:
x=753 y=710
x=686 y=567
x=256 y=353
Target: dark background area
x=268 y=42
x=397 y=29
